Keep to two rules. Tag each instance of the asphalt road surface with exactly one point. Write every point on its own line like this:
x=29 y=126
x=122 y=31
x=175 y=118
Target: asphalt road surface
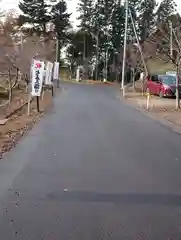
x=92 y=169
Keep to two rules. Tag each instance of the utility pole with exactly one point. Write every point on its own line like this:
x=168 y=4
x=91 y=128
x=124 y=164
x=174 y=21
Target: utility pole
x=57 y=50
x=97 y=52
x=106 y=55
x=106 y=63
x=97 y=55
x=171 y=38
x=138 y=43
x=124 y=48
x=108 y=39
x=84 y=55
x=84 y=51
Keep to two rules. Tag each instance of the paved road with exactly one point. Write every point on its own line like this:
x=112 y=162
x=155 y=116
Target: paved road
x=93 y=168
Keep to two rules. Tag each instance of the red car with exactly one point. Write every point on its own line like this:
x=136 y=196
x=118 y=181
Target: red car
x=162 y=85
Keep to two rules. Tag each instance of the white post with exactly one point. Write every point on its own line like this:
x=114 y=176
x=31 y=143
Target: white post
x=97 y=53
x=125 y=45
x=106 y=64
x=97 y=56
x=78 y=74
x=29 y=99
x=171 y=39
x=57 y=43
x=29 y=104
x=148 y=101
x=21 y=41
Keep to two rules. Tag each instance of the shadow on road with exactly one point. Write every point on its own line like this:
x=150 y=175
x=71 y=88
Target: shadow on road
x=125 y=198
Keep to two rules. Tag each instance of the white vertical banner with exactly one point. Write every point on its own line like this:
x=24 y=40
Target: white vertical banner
x=56 y=71
x=78 y=74
x=48 y=75
x=31 y=68
x=37 y=77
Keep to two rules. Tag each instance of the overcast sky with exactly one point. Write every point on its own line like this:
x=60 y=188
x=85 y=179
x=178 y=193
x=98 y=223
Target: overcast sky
x=9 y=4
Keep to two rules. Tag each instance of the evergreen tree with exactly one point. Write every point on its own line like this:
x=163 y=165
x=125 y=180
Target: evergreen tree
x=102 y=23
x=76 y=46
x=166 y=9
x=117 y=32
x=150 y=14
x=86 y=9
x=134 y=8
x=146 y=18
x=61 y=19
x=36 y=12
x=105 y=20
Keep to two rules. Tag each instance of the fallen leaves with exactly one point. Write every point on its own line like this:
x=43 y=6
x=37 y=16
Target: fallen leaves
x=20 y=123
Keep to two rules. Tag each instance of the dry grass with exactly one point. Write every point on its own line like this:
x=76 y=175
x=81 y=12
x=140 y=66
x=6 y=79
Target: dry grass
x=13 y=56
x=19 y=123
x=162 y=108
x=160 y=67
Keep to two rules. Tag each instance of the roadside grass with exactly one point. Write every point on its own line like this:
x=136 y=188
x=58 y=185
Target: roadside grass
x=160 y=67
x=160 y=108
x=18 y=122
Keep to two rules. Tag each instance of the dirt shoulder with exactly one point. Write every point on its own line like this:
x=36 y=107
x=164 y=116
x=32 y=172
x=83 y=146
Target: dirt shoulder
x=90 y=82
x=159 y=108
x=19 y=121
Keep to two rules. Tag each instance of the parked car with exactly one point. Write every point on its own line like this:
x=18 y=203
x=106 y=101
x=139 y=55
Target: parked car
x=162 y=85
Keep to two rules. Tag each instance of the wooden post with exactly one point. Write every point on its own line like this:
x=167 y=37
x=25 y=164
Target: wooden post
x=43 y=92
x=38 y=103
x=58 y=83
x=10 y=86
x=52 y=90
x=29 y=102
x=133 y=78
x=27 y=82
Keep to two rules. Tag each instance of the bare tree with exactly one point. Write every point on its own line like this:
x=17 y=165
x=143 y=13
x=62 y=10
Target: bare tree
x=6 y=61
x=16 y=57
x=159 y=43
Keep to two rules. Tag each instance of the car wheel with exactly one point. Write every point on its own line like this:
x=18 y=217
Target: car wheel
x=161 y=94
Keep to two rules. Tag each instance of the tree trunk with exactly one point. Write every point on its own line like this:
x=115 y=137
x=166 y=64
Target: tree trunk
x=10 y=86
x=44 y=28
x=97 y=56
x=133 y=78
x=58 y=50
x=177 y=88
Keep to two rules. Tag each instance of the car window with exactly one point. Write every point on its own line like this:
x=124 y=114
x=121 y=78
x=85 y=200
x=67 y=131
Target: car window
x=168 y=79
x=160 y=79
x=154 y=78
